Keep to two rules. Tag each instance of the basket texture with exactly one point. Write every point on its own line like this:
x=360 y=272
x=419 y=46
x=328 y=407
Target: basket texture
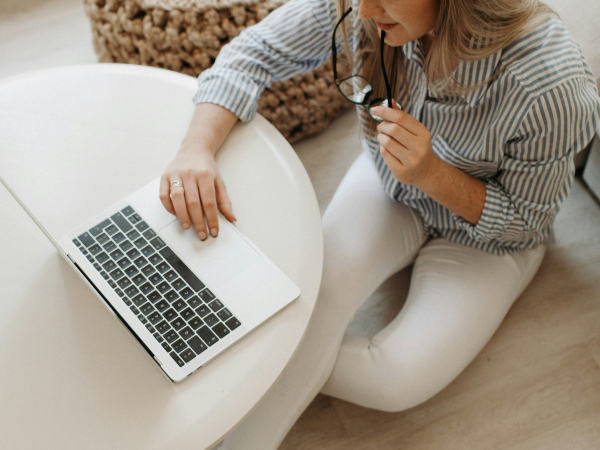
x=187 y=35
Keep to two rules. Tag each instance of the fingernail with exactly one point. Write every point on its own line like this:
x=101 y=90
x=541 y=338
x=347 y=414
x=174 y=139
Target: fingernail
x=201 y=235
x=213 y=232
x=186 y=225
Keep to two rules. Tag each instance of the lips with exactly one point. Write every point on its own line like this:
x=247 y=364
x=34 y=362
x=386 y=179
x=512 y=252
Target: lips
x=385 y=26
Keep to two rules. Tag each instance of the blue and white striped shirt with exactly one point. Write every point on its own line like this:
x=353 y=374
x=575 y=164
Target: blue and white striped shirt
x=518 y=133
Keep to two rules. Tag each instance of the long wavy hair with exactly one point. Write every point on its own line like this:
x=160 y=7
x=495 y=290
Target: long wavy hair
x=497 y=23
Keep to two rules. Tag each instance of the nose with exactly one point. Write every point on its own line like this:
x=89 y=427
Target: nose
x=369 y=9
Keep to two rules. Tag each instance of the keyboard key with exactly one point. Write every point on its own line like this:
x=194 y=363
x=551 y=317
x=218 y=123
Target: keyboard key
x=140 y=262
x=117 y=274
x=142 y=226
x=166 y=346
x=194 y=302
x=109 y=246
x=104 y=275
x=179 y=345
x=178 y=284
x=211 y=320
x=224 y=314
x=215 y=305
x=121 y=222
x=187 y=333
x=141 y=242
x=90 y=258
x=84 y=251
x=146 y=288
x=182 y=269
x=132 y=254
x=170 y=276
x=95 y=249
x=155 y=259
x=196 y=322
x=158 y=337
x=132 y=291
x=102 y=238
x=97 y=267
x=153 y=296
x=178 y=323
x=117 y=255
x=154 y=318
x=157 y=243
x=177 y=359
x=133 y=235
x=150 y=328
x=149 y=234
x=135 y=218
x=124 y=282
x=131 y=271
x=111 y=230
x=148 y=270
x=179 y=304
x=186 y=293
x=127 y=301
x=127 y=211
x=119 y=237
x=187 y=355
x=126 y=245
x=162 y=305
x=147 y=309
x=233 y=323
x=139 y=300
x=124 y=263
x=221 y=330
x=147 y=250
x=135 y=310
x=207 y=295
x=163 y=327
x=187 y=314
x=138 y=279
x=163 y=267
x=86 y=239
x=109 y=265
x=76 y=242
x=172 y=296
x=202 y=310
x=197 y=345
x=171 y=336
x=207 y=336
x=98 y=228
x=170 y=314
x=155 y=278
x=163 y=287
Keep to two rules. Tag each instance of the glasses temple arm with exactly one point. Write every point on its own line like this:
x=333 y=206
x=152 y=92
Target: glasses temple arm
x=333 y=46
x=385 y=78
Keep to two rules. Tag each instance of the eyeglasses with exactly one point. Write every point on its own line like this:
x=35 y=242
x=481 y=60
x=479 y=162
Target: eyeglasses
x=357 y=89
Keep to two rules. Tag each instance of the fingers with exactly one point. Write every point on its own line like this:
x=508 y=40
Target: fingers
x=206 y=185
x=399 y=133
x=164 y=194
x=178 y=200
x=223 y=199
x=194 y=205
x=399 y=117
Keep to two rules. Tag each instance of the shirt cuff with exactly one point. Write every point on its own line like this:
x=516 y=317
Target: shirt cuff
x=232 y=90
x=496 y=215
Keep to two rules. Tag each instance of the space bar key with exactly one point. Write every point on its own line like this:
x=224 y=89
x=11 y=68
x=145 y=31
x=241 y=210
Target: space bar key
x=182 y=269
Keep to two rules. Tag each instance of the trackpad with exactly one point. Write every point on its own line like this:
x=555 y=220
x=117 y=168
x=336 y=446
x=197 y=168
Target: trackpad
x=215 y=260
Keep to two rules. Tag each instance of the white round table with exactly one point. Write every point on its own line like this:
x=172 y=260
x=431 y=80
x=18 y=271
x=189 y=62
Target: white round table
x=73 y=141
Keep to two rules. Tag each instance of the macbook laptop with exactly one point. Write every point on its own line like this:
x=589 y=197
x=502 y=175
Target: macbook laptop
x=185 y=300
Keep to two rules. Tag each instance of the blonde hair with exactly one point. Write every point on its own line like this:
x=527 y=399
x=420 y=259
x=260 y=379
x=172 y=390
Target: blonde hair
x=493 y=23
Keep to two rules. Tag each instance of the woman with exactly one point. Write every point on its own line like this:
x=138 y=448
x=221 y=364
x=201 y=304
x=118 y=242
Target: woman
x=496 y=99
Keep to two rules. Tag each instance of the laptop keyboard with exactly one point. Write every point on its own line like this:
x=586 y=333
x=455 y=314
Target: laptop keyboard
x=172 y=303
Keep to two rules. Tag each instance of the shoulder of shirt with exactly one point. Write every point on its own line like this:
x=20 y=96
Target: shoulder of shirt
x=545 y=57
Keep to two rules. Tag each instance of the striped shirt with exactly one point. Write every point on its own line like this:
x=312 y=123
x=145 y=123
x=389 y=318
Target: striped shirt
x=518 y=133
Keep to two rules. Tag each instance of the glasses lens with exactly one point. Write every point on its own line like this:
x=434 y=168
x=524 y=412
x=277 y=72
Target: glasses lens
x=356 y=89
x=377 y=102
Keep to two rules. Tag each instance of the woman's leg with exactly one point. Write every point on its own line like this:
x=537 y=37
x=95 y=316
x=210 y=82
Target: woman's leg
x=457 y=299
x=367 y=238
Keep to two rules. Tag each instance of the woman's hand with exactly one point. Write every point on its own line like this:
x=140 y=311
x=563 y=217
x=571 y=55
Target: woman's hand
x=202 y=190
x=406 y=147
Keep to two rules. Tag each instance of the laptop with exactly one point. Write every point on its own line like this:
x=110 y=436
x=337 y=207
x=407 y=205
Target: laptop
x=185 y=300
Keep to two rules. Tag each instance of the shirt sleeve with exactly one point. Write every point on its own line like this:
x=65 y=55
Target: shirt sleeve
x=292 y=40
x=537 y=171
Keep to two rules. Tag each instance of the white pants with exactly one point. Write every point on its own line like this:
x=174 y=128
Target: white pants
x=457 y=299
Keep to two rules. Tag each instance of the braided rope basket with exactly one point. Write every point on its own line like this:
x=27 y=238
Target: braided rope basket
x=187 y=35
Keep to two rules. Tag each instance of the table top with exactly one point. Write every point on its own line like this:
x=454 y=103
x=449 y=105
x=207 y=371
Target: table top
x=73 y=141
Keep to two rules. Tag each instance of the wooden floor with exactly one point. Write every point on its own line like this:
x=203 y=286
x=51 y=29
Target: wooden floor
x=536 y=385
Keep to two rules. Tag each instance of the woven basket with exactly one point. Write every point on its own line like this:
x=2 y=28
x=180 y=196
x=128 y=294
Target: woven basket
x=187 y=35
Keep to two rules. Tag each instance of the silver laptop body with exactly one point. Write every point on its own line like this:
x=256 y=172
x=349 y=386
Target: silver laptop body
x=185 y=300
